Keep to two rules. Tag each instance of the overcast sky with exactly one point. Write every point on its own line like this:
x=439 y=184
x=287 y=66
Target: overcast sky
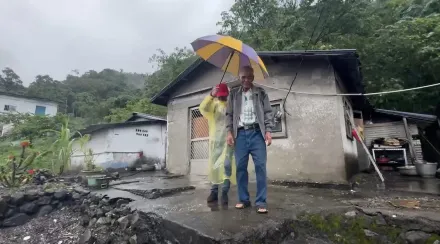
x=57 y=36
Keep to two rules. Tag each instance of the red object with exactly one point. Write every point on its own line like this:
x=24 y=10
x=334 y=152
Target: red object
x=31 y=171
x=355 y=135
x=222 y=90
x=141 y=154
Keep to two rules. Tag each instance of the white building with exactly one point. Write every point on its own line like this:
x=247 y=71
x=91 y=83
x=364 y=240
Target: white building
x=118 y=145
x=13 y=103
x=10 y=103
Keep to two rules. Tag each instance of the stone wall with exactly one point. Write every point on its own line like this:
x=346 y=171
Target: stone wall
x=20 y=207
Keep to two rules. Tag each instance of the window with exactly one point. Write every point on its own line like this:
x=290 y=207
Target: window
x=10 y=108
x=40 y=110
x=279 y=129
x=347 y=119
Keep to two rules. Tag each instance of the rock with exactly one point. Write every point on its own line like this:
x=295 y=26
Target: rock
x=120 y=202
x=133 y=218
x=31 y=195
x=45 y=200
x=29 y=208
x=17 y=199
x=133 y=240
x=115 y=175
x=10 y=212
x=370 y=233
x=92 y=222
x=95 y=199
x=49 y=192
x=380 y=220
x=60 y=194
x=16 y=220
x=103 y=221
x=85 y=237
x=80 y=190
x=3 y=205
x=350 y=214
x=55 y=203
x=60 y=205
x=100 y=213
x=416 y=237
x=123 y=222
x=436 y=242
x=85 y=220
x=76 y=196
x=44 y=210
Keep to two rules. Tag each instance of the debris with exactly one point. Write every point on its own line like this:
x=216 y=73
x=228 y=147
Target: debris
x=26 y=238
x=350 y=214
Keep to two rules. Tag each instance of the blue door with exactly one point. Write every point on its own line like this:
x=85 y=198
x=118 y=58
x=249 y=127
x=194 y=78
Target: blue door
x=40 y=110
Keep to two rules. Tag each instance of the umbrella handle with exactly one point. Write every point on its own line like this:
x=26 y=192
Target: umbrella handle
x=227 y=65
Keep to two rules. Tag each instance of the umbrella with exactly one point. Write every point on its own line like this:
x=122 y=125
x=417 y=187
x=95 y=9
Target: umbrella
x=229 y=54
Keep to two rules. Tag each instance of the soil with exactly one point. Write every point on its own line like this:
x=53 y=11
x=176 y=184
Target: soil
x=60 y=227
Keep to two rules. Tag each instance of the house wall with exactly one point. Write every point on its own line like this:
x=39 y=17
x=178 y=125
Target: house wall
x=312 y=151
x=24 y=105
x=120 y=147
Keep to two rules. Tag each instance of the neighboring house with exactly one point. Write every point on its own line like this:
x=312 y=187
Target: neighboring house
x=312 y=142
x=118 y=145
x=13 y=103
x=383 y=123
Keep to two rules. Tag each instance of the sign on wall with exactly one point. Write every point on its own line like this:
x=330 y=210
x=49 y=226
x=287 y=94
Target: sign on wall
x=140 y=132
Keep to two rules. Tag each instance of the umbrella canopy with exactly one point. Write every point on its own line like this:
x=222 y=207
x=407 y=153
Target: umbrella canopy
x=229 y=54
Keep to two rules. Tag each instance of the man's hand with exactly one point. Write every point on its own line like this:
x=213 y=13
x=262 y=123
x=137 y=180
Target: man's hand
x=214 y=91
x=268 y=138
x=230 y=139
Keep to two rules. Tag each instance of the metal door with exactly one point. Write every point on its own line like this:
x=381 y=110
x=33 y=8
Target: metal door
x=199 y=143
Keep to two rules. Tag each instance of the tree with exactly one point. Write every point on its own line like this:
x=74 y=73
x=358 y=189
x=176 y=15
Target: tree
x=141 y=106
x=10 y=81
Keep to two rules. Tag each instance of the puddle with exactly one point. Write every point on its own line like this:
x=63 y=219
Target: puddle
x=157 y=193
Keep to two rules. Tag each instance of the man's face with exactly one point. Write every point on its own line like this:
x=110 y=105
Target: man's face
x=246 y=77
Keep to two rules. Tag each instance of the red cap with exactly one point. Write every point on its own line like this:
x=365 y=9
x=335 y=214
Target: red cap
x=222 y=90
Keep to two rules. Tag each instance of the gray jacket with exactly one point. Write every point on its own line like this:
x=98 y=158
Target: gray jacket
x=263 y=110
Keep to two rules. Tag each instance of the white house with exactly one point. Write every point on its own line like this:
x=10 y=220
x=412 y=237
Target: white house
x=13 y=103
x=10 y=103
x=118 y=145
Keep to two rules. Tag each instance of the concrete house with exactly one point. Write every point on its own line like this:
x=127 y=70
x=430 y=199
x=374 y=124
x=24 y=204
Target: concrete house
x=14 y=103
x=312 y=139
x=117 y=145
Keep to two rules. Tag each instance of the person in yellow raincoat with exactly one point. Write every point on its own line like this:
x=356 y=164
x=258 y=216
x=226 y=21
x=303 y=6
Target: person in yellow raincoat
x=221 y=159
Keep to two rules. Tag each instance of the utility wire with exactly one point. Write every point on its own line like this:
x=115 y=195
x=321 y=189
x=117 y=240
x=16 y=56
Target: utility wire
x=302 y=59
x=352 y=94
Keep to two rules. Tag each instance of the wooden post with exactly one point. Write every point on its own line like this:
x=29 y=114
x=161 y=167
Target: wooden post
x=412 y=151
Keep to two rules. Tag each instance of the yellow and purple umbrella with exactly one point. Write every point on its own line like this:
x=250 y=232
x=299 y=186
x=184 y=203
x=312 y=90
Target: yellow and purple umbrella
x=229 y=54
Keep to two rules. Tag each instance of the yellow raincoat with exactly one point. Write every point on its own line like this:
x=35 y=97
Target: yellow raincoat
x=221 y=155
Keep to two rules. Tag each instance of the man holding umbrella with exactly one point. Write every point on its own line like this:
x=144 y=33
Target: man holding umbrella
x=249 y=119
x=249 y=123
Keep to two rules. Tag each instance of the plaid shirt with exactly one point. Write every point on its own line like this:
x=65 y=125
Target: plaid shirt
x=247 y=115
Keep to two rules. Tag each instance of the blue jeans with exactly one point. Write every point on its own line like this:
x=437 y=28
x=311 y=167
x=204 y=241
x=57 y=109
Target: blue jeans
x=251 y=142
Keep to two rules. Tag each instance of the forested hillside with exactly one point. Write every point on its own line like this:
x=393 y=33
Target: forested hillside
x=398 y=42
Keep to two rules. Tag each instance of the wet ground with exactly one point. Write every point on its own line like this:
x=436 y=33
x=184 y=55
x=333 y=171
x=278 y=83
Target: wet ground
x=187 y=207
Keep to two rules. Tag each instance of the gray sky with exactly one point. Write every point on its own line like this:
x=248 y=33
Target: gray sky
x=57 y=36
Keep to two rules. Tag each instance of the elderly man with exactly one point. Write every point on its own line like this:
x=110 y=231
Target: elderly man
x=249 y=123
x=221 y=160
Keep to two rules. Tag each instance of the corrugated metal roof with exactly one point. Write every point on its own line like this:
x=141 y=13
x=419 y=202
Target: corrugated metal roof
x=408 y=115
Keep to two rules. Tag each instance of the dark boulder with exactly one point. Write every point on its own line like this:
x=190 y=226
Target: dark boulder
x=29 y=208
x=16 y=220
x=44 y=210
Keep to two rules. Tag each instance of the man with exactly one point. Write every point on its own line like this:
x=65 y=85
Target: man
x=213 y=108
x=249 y=124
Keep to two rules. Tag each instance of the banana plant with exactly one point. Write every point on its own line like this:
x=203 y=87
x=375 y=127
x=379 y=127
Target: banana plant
x=62 y=149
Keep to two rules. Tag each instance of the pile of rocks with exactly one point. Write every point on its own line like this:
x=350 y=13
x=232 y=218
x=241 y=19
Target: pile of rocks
x=20 y=207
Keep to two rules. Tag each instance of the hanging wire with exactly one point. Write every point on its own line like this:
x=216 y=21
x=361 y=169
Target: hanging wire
x=302 y=59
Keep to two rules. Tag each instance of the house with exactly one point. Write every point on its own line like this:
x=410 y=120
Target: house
x=312 y=140
x=14 y=103
x=383 y=123
x=117 y=145
x=10 y=103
